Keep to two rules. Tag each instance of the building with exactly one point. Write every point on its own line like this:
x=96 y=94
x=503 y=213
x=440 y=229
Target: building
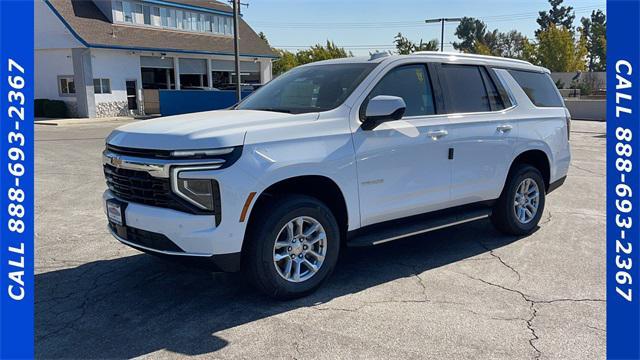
x=111 y=57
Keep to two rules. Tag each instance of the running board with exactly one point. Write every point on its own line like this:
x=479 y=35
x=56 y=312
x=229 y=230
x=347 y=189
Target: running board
x=415 y=225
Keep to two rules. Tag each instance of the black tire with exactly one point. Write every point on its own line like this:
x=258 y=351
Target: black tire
x=504 y=216
x=270 y=219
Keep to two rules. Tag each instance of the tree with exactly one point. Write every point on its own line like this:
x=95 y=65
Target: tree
x=476 y=39
x=557 y=15
x=319 y=52
x=263 y=37
x=511 y=44
x=405 y=46
x=594 y=30
x=558 y=50
x=288 y=60
x=470 y=31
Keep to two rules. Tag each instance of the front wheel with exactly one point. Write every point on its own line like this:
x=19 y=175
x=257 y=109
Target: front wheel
x=520 y=206
x=293 y=246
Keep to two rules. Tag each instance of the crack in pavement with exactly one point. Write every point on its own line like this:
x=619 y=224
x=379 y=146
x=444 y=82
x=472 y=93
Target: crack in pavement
x=496 y=256
x=586 y=170
x=532 y=306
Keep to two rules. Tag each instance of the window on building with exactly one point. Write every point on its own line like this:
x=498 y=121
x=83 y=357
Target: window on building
x=66 y=86
x=138 y=17
x=101 y=86
x=195 y=22
x=127 y=11
x=465 y=89
x=207 y=23
x=164 y=17
x=146 y=13
x=539 y=88
x=412 y=84
x=155 y=16
x=118 y=13
x=159 y=16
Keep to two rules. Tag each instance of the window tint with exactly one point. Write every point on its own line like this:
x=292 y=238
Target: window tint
x=539 y=88
x=494 y=97
x=412 y=84
x=466 y=91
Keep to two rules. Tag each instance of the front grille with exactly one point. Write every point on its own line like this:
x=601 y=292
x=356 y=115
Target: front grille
x=142 y=188
x=146 y=153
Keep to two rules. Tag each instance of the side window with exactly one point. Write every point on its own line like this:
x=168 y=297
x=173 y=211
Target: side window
x=495 y=100
x=412 y=84
x=539 y=88
x=465 y=88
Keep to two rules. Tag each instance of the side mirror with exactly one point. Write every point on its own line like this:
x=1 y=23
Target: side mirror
x=383 y=108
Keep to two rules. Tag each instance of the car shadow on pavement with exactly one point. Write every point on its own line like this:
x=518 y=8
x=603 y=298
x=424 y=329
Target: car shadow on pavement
x=136 y=305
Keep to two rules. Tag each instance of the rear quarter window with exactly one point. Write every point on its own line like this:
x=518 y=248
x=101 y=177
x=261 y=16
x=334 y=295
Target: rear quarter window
x=539 y=88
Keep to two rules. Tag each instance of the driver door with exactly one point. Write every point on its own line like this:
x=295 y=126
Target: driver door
x=403 y=166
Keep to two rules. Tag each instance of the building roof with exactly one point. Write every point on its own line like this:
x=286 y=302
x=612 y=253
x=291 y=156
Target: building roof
x=93 y=29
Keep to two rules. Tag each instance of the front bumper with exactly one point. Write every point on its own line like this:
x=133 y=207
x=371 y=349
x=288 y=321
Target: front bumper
x=175 y=234
x=220 y=262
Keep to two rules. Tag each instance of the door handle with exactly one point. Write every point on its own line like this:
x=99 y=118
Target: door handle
x=504 y=128
x=437 y=134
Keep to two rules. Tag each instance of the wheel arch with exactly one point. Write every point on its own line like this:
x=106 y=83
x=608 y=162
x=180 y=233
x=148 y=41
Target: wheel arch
x=536 y=158
x=320 y=187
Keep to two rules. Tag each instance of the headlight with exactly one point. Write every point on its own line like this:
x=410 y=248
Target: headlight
x=204 y=153
x=197 y=191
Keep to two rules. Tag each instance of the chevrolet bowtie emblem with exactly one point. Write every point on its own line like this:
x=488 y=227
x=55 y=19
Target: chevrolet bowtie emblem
x=116 y=161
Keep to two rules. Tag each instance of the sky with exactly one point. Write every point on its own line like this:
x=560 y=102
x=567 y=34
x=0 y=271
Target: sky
x=362 y=26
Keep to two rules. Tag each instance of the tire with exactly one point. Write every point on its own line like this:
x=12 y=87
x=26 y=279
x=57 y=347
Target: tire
x=504 y=216
x=272 y=225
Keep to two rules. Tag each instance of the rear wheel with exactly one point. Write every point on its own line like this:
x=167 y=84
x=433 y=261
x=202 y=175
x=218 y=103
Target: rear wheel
x=293 y=246
x=520 y=206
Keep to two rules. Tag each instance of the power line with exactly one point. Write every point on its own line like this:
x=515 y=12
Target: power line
x=405 y=24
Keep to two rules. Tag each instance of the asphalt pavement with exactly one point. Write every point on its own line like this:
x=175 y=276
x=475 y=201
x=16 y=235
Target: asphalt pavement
x=466 y=292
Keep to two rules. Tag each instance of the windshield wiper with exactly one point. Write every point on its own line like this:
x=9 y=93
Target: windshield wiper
x=274 y=110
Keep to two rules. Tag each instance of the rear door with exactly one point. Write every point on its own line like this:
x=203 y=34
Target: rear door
x=482 y=134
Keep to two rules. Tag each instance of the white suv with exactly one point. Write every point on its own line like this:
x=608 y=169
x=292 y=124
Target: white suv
x=355 y=152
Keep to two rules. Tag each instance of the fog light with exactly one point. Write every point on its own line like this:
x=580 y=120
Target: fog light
x=197 y=191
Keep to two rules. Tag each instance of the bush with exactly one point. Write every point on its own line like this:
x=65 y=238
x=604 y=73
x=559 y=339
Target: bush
x=38 y=107
x=50 y=108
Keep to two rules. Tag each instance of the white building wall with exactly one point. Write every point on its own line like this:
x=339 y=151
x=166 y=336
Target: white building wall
x=48 y=65
x=266 y=69
x=118 y=66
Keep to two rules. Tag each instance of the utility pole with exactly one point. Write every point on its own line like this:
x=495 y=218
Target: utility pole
x=442 y=21
x=236 y=45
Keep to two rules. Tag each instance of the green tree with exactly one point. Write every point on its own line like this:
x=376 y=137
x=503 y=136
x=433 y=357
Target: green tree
x=557 y=15
x=286 y=61
x=594 y=30
x=558 y=50
x=322 y=52
x=476 y=39
x=405 y=46
x=471 y=31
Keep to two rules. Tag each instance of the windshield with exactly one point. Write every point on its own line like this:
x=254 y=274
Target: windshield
x=307 y=89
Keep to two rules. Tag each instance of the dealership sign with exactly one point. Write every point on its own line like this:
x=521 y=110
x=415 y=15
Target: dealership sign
x=623 y=180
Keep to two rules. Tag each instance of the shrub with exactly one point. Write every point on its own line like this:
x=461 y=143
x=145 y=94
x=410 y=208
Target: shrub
x=50 y=108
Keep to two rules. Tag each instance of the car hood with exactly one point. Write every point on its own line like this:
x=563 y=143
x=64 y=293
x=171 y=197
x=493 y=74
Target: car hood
x=203 y=130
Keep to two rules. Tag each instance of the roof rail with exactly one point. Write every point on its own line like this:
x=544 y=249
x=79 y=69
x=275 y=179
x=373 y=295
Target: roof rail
x=378 y=55
x=472 y=56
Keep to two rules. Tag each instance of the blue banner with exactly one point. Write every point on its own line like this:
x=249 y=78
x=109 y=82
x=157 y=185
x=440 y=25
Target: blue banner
x=623 y=181
x=16 y=180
